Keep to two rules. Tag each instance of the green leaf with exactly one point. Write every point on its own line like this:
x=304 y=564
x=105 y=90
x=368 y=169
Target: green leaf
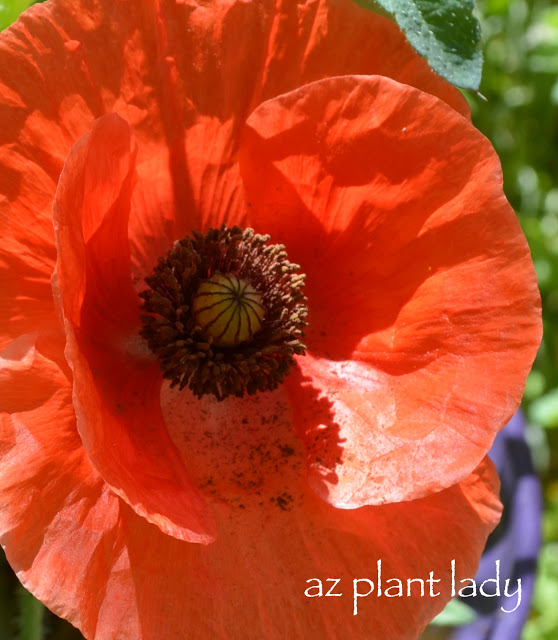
x=10 y=10
x=445 y=32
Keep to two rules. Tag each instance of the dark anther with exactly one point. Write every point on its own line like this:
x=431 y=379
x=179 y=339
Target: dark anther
x=225 y=313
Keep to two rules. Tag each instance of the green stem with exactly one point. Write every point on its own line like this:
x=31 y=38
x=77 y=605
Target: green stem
x=31 y=613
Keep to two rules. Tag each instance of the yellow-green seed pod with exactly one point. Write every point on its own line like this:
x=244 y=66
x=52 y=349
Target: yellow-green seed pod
x=228 y=309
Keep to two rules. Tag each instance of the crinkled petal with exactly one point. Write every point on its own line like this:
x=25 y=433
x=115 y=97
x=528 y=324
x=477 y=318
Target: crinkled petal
x=424 y=311
x=83 y=550
x=250 y=584
x=154 y=71
x=116 y=382
x=152 y=76
x=336 y=37
x=59 y=521
x=93 y=560
x=179 y=74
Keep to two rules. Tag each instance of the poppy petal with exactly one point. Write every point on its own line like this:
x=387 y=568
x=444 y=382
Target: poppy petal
x=275 y=534
x=84 y=551
x=93 y=560
x=29 y=168
x=250 y=584
x=66 y=63
x=336 y=37
x=206 y=104
x=424 y=309
x=68 y=546
x=116 y=383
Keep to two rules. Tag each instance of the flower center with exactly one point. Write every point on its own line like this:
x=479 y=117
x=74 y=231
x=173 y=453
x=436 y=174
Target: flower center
x=225 y=313
x=228 y=310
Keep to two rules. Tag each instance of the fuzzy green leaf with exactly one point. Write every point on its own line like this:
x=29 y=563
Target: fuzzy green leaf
x=445 y=32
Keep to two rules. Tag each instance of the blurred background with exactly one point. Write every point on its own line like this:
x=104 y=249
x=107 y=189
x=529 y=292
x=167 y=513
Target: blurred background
x=520 y=117
x=518 y=112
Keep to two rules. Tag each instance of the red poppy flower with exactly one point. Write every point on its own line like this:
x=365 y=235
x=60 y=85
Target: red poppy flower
x=137 y=510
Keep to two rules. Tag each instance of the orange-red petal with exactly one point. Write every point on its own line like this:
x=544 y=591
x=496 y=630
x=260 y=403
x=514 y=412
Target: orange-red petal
x=116 y=380
x=424 y=310
x=59 y=520
x=154 y=58
x=83 y=551
x=179 y=74
x=93 y=560
x=336 y=37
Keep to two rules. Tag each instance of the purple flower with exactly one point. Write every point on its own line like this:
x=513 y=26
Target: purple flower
x=515 y=542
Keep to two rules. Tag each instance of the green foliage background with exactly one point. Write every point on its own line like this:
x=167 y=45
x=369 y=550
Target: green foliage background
x=520 y=117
